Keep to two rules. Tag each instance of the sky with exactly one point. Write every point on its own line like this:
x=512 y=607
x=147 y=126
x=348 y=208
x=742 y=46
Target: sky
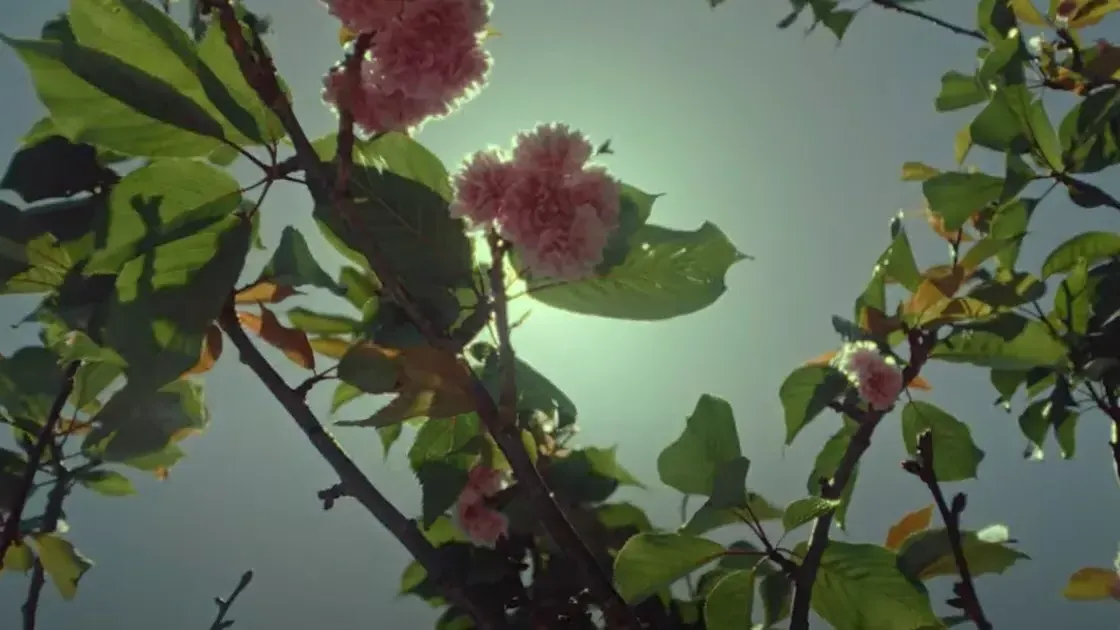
x=791 y=144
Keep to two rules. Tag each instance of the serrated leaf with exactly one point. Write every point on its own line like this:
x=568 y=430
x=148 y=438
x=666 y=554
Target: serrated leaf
x=62 y=562
x=806 y=392
x=929 y=554
x=709 y=439
x=860 y=586
x=805 y=510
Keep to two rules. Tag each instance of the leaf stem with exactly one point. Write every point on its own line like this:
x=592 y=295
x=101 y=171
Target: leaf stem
x=355 y=482
x=965 y=591
x=43 y=441
x=921 y=344
x=51 y=516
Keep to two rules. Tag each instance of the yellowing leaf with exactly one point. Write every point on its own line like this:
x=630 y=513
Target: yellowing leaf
x=1092 y=583
x=823 y=359
x=1091 y=12
x=73 y=426
x=1027 y=12
x=920 y=382
x=937 y=224
x=912 y=523
x=211 y=352
x=954 y=310
x=917 y=172
x=877 y=322
x=265 y=291
x=332 y=347
x=345 y=36
x=293 y=343
x=939 y=284
x=962 y=143
x=161 y=473
x=490 y=32
x=430 y=383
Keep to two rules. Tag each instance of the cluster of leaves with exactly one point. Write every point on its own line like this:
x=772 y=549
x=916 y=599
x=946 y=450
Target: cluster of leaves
x=138 y=241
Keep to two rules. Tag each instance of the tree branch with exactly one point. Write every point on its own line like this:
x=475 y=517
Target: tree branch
x=965 y=590
x=921 y=343
x=51 y=516
x=1109 y=404
x=43 y=441
x=936 y=21
x=355 y=482
x=225 y=603
x=260 y=74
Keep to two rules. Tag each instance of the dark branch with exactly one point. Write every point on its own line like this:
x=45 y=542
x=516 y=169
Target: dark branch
x=965 y=598
x=936 y=21
x=921 y=343
x=355 y=482
x=43 y=441
x=224 y=604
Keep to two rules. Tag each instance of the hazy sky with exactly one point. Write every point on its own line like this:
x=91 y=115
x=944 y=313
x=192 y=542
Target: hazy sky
x=792 y=145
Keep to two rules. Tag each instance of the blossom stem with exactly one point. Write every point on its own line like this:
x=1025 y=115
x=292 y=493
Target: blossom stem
x=921 y=343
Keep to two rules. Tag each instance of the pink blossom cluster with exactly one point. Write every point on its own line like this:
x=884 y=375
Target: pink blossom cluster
x=482 y=524
x=877 y=378
x=426 y=58
x=545 y=198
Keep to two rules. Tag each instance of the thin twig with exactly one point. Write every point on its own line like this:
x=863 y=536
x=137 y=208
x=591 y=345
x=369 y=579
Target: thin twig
x=922 y=15
x=43 y=441
x=225 y=603
x=1110 y=406
x=259 y=72
x=355 y=482
x=921 y=343
x=966 y=598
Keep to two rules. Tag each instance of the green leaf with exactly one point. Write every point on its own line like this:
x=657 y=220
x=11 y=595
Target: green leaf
x=62 y=562
x=30 y=380
x=358 y=287
x=97 y=99
x=107 y=482
x=535 y=392
x=917 y=171
x=929 y=554
x=389 y=436
x=709 y=439
x=1000 y=125
x=408 y=224
x=959 y=91
x=215 y=53
x=343 y=394
x=439 y=438
x=623 y=516
x=1090 y=246
x=955 y=456
x=635 y=208
x=588 y=475
x=369 y=371
x=859 y=586
x=136 y=32
x=730 y=502
x=18 y=557
x=293 y=265
x=441 y=482
x=996 y=19
x=136 y=422
x=776 y=592
x=807 y=509
x=730 y=604
x=1044 y=136
x=899 y=259
x=649 y=562
x=1088 y=135
x=806 y=392
x=826 y=463
x=159 y=203
x=1010 y=224
x=667 y=273
x=55 y=167
x=1009 y=290
x=956 y=196
x=1008 y=342
x=1073 y=302
x=401 y=155
x=321 y=323
x=166 y=299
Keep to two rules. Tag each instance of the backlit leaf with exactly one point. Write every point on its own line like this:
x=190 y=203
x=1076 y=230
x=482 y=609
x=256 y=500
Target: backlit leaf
x=1092 y=583
x=211 y=352
x=649 y=562
x=292 y=342
x=908 y=525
